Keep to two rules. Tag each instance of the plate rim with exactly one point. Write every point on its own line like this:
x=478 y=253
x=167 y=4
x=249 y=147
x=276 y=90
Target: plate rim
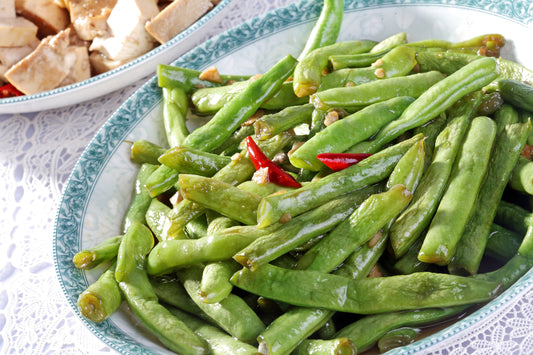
x=193 y=57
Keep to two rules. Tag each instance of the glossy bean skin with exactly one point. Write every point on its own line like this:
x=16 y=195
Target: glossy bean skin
x=193 y=161
x=434 y=101
x=327 y=27
x=359 y=96
x=140 y=198
x=397 y=62
x=275 y=123
x=301 y=229
x=367 y=331
x=239 y=170
x=367 y=220
x=517 y=93
x=504 y=156
x=414 y=220
x=215 y=285
x=343 y=134
x=308 y=72
x=521 y=178
x=369 y=171
x=91 y=257
x=298 y=323
x=175 y=106
x=161 y=180
x=458 y=201
x=503 y=243
x=397 y=338
x=212 y=134
x=218 y=342
x=340 y=346
x=232 y=202
x=102 y=298
x=138 y=292
x=188 y=80
x=231 y=314
x=365 y=296
x=143 y=151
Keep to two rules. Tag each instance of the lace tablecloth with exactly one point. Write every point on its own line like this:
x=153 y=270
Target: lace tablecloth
x=37 y=153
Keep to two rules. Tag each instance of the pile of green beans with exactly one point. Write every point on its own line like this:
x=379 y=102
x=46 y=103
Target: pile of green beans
x=213 y=260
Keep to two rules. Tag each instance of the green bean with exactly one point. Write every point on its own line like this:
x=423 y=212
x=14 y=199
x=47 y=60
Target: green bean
x=175 y=106
x=435 y=100
x=161 y=180
x=365 y=332
x=231 y=202
x=397 y=62
x=209 y=101
x=390 y=42
x=173 y=254
x=396 y=338
x=505 y=115
x=170 y=291
x=431 y=131
x=219 y=223
x=491 y=41
x=327 y=27
x=215 y=285
x=298 y=323
x=138 y=292
x=193 y=161
x=240 y=108
x=444 y=62
x=156 y=218
x=308 y=288
x=361 y=60
x=263 y=189
x=517 y=93
x=143 y=151
x=490 y=103
x=502 y=243
x=197 y=228
x=102 y=298
x=359 y=96
x=188 y=80
x=90 y=258
x=339 y=346
x=373 y=214
x=371 y=170
x=239 y=170
x=458 y=201
x=522 y=176
x=414 y=220
x=342 y=134
x=231 y=314
x=408 y=263
x=218 y=342
x=513 y=217
x=140 y=200
x=270 y=125
x=295 y=232
x=505 y=154
x=409 y=169
x=308 y=71
x=232 y=144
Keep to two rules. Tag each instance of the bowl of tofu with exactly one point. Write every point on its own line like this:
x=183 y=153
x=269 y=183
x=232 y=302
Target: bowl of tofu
x=55 y=53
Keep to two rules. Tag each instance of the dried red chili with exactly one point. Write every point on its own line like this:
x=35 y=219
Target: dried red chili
x=9 y=90
x=339 y=161
x=276 y=174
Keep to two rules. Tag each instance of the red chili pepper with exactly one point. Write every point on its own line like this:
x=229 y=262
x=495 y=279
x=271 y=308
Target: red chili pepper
x=276 y=174
x=339 y=161
x=9 y=90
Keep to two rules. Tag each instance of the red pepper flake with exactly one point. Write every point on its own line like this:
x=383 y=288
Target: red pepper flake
x=275 y=174
x=9 y=90
x=339 y=161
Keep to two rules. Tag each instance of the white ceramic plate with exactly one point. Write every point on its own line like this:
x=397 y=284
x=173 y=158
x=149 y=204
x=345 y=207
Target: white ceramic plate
x=120 y=77
x=99 y=188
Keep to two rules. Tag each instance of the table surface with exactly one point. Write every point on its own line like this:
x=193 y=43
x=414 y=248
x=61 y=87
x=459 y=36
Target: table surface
x=37 y=154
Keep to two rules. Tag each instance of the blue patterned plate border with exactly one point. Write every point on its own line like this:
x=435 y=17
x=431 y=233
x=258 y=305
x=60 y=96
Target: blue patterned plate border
x=73 y=208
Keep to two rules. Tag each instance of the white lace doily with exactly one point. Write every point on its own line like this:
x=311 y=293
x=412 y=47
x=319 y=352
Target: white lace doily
x=37 y=153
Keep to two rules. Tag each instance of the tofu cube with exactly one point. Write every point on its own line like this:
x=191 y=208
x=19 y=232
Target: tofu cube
x=16 y=32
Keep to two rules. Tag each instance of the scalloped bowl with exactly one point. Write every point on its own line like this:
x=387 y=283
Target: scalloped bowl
x=97 y=193
x=120 y=77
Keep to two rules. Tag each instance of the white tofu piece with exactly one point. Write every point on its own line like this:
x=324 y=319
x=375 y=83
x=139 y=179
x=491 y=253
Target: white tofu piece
x=16 y=32
x=7 y=9
x=89 y=17
x=46 y=14
x=11 y=55
x=176 y=17
x=128 y=37
x=100 y=63
x=57 y=60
